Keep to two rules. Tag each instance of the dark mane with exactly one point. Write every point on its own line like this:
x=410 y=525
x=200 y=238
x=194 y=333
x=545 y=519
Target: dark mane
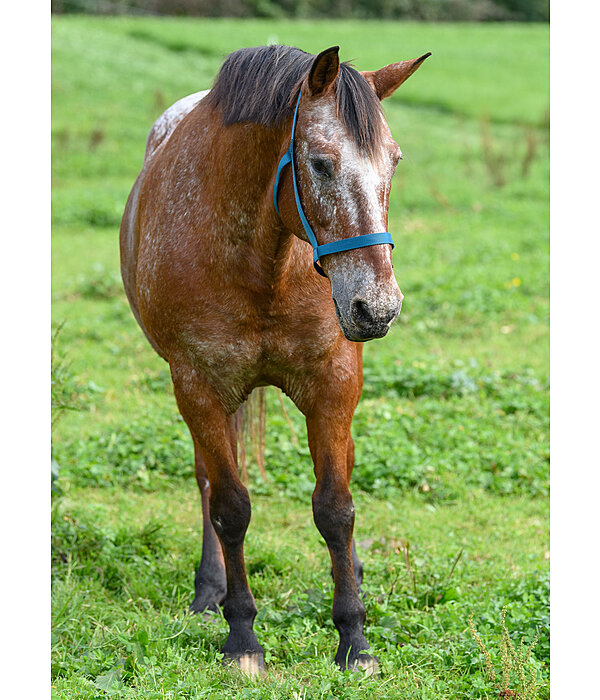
x=261 y=85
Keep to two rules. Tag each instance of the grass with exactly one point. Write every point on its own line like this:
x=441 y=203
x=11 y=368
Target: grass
x=451 y=482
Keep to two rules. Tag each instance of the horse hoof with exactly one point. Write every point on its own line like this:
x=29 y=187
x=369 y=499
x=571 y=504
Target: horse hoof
x=251 y=664
x=369 y=665
x=350 y=660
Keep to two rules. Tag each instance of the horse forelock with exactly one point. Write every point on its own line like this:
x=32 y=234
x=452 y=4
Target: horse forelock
x=261 y=85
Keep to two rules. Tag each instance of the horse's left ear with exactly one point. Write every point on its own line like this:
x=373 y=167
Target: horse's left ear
x=323 y=71
x=388 y=79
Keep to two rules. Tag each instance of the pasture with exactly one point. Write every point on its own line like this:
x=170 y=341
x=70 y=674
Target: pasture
x=452 y=449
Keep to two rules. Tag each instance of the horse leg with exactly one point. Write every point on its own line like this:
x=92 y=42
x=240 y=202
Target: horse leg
x=333 y=510
x=356 y=562
x=210 y=583
x=229 y=507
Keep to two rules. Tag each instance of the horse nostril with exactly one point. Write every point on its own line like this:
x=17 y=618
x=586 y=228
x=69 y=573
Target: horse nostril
x=390 y=316
x=360 y=313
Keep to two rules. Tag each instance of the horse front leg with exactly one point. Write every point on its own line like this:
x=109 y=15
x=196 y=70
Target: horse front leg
x=210 y=583
x=333 y=510
x=229 y=505
x=356 y=562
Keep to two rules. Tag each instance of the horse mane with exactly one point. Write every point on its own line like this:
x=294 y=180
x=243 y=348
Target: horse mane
x=261 y=85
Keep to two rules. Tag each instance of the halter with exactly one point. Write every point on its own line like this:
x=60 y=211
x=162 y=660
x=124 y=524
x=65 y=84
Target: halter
x=319 y=251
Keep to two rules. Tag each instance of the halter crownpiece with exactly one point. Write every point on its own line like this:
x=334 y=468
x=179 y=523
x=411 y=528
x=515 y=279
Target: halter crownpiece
x=363 y=241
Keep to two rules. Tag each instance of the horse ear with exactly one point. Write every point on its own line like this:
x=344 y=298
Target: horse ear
x=324 y=71
x=388 y=79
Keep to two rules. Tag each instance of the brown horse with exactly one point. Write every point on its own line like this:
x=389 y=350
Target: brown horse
x=223 y=285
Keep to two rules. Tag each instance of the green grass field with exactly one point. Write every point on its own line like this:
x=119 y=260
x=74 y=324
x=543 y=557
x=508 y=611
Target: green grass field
x=451 y=480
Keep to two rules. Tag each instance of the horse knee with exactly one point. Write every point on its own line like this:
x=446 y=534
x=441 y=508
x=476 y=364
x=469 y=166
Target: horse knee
x=230 y=514
x=333 y=513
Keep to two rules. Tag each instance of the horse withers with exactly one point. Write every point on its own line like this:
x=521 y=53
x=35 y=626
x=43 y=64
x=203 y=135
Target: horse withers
x=281 y=171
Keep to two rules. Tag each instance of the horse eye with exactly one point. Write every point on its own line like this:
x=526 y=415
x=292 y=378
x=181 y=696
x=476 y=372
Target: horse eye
x=322 y=167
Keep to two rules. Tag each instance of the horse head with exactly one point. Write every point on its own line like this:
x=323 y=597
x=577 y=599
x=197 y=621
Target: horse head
x=344 y=173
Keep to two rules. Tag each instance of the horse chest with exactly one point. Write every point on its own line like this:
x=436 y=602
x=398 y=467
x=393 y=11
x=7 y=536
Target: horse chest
x=262 y=349
x=237 y=354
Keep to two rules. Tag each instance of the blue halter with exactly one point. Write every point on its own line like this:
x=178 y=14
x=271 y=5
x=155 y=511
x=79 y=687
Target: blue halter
x=319 y=251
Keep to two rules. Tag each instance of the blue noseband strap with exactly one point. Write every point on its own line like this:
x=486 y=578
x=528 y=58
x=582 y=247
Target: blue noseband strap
x=319 y=251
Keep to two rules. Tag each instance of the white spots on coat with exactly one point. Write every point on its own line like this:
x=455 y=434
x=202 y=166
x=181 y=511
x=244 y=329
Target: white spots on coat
x=359 y=182
x=168 y=120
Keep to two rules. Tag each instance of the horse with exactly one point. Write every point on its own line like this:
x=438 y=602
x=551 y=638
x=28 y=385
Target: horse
x=254 y=252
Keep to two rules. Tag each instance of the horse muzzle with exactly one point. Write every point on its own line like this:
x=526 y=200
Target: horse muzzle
x=363 y=319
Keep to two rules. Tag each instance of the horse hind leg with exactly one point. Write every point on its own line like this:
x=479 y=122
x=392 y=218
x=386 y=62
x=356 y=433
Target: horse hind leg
x=210 y=583
x=357 y=565
x=229 y=508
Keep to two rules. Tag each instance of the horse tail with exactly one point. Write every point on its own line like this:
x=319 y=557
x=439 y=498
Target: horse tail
x=250 y=421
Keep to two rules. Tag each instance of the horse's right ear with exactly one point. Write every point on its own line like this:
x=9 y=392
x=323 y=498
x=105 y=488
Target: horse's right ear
x=324 y=71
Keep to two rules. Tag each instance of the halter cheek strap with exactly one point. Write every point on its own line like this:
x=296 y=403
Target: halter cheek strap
x=367 y=239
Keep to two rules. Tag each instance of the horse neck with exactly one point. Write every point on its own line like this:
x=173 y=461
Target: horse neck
x=246 y=158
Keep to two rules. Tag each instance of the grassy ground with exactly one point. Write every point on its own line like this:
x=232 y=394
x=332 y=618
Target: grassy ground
x=451 y=480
